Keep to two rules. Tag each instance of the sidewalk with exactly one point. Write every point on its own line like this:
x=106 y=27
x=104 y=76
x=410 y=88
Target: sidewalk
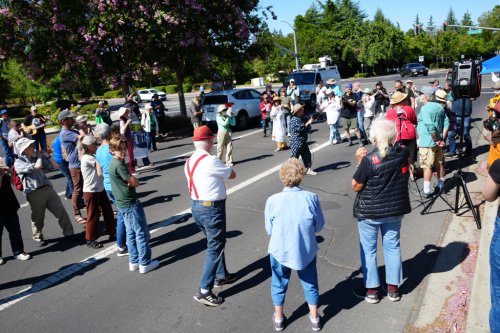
x=458 y=299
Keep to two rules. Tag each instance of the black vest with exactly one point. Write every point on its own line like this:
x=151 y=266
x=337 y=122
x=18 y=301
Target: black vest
x=386 y=192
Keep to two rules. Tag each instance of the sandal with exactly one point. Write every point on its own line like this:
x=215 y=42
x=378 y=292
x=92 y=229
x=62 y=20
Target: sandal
x=80 y=220
x=94 y=244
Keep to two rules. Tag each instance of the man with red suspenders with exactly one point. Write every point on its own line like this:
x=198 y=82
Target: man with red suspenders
x=205 y=175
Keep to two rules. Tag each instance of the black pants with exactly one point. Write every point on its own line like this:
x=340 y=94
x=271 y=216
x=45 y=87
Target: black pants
x=10 y=220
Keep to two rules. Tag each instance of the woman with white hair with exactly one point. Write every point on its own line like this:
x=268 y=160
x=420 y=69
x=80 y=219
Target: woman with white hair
x=150 y=125
x=102 y=114
x=83 y=127
x=94 y=194
x=381 y=183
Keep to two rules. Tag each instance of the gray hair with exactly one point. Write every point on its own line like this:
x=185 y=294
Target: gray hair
x=103 y=131
x=382 y=135
x=205 y=144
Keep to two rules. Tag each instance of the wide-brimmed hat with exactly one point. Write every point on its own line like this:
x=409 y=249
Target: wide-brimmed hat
x=23 y=143
x=202 y=133
x=122 y=111
x=441 y=95
x=276 y=98
x=65 y=114
x=409 y=81
x=331 y=81
x=292 y=80
x=496 y=86
x=434 y=81
x=297 y=107
x=367 y=91
x=398 y=97
x=222 y=108
x=81 y=119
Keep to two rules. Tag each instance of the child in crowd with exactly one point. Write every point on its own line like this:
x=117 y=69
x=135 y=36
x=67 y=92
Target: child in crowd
x=123 y=185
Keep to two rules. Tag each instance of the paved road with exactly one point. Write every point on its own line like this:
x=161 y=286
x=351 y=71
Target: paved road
x=69 y=287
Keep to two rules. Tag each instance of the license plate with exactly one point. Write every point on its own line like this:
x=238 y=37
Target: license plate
x=210 y=109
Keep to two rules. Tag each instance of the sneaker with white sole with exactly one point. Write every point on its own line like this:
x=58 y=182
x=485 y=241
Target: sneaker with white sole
x=311 y=172
x=148 y=268
x=230 y=278
x=315 y=323
x=369 y=297
x=122 y=251
x=23 y=256
x=279 y=324
x=133 y=267
x=2 y=261
x=208 y=299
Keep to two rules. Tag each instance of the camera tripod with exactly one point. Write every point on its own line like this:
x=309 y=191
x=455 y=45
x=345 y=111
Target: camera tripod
x=460 y=183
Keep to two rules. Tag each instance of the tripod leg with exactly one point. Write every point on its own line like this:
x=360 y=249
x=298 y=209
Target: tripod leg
x=468 y=200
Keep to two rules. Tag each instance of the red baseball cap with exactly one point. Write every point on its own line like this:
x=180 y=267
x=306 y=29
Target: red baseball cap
x=202 y=133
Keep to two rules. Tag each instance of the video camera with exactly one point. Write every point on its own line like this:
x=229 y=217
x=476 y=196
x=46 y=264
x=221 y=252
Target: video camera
x=465 y=79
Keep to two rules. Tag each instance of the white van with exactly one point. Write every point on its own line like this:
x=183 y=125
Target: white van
x=309 y=76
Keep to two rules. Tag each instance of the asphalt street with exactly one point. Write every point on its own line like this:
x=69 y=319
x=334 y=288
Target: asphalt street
x=67 y=287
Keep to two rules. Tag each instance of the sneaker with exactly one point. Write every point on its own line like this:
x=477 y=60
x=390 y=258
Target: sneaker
x=363 y=293
x=133 y=267
x=230 y=278
x=349 y=143
x=94 y=244
x=311 y=172
x=2 y=261
x=154 y=264
x=23 y=256
x=40 y=242
x=361 y=143
x=427 y=195
x=279 y=325
x=122 y=251
x=315 y=323
x=208 y=299
x=393 y=296
x=334 y=142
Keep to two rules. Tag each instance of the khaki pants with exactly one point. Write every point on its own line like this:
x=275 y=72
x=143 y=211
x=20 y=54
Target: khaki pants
x=46 y=198
x=224 y=143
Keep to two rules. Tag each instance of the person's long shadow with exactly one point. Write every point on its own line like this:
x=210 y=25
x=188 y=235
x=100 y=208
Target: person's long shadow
x=260 y=157
x=159 y=199
x=414 y=271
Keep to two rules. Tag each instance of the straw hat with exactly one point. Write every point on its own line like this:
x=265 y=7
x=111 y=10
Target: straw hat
x=297 y=107
x=276 y=98
x=441 y=95
x=398 y=97
x=367 y=91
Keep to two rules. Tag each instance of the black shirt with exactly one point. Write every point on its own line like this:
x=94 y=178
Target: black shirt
x=349 y=111
x=7 y=196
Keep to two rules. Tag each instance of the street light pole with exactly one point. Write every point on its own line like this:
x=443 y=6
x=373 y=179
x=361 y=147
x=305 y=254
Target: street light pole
x=294 y=45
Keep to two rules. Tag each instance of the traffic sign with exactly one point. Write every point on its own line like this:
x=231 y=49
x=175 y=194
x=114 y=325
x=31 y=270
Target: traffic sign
x=421 y=58
x=474 y=32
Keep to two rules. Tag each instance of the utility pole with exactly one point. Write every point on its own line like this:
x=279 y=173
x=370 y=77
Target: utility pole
x=294 y=46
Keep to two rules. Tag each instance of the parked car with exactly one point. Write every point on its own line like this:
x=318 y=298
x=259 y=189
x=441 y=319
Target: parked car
x=413 y=69
x=147 y=95
x=245 y=105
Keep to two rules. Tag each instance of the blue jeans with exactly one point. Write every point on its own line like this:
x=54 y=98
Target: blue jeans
x=151 y=140
x=210 y=217
x=368 y=234
x=466 y=133
x=137 y=234
x=40 y=140
x=360 y=117
x=334 y=132
x=9 y=154
x=495 y=278
x=281 y=275
x=64 y=168
x=120 y=225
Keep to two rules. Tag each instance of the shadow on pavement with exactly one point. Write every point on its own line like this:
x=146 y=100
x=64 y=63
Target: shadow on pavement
x=256 y=158
x=264 y=272
x=334 y=166
x=159 y=199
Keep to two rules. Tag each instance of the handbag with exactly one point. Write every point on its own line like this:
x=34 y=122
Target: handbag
x=98 y=120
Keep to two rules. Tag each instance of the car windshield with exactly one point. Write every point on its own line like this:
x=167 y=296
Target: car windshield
x=214 y=99
x=302 y=78
x=414 y=65
x=154 y=91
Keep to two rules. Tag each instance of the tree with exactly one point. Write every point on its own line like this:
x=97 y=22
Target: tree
x=450 y=18
x=467 y=19
x=430 y=26
x=490 y=38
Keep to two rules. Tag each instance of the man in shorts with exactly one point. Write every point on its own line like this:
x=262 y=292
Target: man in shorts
x=349 y=115
x=432 y=130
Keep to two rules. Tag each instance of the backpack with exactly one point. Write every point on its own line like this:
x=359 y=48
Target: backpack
x=16 y=180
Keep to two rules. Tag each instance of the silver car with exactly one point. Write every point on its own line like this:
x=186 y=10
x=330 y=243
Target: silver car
x=245 y=105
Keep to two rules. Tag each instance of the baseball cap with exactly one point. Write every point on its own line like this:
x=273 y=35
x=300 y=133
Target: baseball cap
x=65 y=114
x=348 y=86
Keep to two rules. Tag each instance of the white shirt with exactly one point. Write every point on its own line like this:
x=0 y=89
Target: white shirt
x=208 y=177
x=369 y=103
x=91 y=181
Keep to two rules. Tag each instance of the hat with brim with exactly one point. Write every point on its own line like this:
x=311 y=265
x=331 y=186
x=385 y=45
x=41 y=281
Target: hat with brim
x=427 y=90
x=331 y=81
x=81 y=119
x=368 y=91
x=292 y=80
x=441 y=95
x=122 y=111
x=433 y=81
x=276 y=98
x=203 y=133
x=398 y=97
x=88 y=140
x=222 y=108
x=297 y=107
x=409 y=81
x=65 y=114
x=23 y=143
x=496 y=86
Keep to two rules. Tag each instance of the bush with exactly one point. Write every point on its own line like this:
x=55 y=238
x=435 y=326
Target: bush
x=112 y=94
x=360 y=75
x=196 y=86
x=171 y=89
x=160 y=88
x=186 y=87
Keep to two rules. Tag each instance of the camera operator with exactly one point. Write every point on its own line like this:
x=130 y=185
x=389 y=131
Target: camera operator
x=349 y=115
x=405 y=119
x=381 y=98
x=456 y=110
x=293 y=91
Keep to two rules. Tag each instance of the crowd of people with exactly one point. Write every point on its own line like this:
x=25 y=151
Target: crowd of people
x=406 y=128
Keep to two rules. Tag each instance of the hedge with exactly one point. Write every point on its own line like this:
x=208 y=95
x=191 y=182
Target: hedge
x=113 y=94
x=196 y=86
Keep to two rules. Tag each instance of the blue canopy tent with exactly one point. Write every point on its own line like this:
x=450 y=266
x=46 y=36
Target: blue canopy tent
x=491 y=65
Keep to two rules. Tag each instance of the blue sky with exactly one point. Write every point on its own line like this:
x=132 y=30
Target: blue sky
x=402 y=11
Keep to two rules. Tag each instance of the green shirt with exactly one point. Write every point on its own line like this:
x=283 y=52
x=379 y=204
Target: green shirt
x=285 y=102
x=124 y=195
x=225 y=122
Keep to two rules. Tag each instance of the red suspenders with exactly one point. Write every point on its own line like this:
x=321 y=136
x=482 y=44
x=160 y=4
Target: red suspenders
x=190 y=173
